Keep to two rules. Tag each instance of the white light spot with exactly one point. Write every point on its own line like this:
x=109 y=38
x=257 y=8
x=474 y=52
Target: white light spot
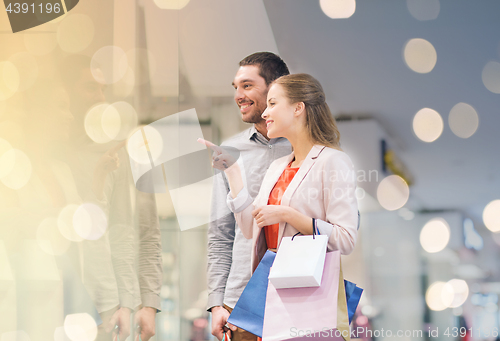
x=136 y=146
x=424 y=9
x=109 y=64
x=463 y=120
x=393 y=192
x=460 y=291
x=20 y=174
x=65 y=223
x=338 y=9
x=491 y=77
x=90 y=222
x=80 y=327
x=491 y=216
x=420 y=55
x=94 y=123
x=435 y=235
x=439 y=296
x=428 y=125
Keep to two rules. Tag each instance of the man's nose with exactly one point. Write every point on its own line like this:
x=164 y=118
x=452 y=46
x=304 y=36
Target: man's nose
x=238 y=95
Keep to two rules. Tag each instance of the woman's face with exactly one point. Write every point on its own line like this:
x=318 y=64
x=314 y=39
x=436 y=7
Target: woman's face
x=279 y=114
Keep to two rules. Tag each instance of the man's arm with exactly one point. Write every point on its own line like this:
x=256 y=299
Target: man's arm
x=221 y=232
x=149 y=265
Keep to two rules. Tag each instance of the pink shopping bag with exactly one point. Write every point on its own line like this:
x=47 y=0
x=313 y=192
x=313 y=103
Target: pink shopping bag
x=308 y=313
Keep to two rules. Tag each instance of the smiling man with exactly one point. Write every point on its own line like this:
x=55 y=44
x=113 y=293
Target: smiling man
x=229 y=252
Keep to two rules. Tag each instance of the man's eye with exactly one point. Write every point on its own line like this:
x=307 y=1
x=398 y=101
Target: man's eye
x=246 y=86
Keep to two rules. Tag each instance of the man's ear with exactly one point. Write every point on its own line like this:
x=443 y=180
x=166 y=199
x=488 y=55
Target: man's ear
x=300 y=107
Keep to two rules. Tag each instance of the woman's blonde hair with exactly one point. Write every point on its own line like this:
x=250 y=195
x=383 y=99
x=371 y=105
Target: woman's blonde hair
x=320 y=122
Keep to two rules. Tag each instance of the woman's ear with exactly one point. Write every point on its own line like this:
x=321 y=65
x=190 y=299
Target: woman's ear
x=300 y=107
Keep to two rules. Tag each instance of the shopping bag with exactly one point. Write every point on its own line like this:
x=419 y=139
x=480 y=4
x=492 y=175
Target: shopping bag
x=353 y=295
x=317 y=313
x=299 y=262
x=248 y=314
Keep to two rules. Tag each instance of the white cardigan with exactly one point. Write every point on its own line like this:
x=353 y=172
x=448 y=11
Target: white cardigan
x=323 y=188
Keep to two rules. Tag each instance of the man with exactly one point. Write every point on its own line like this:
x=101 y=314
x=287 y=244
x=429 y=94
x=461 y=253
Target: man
x=103 y=173
x=228 y=250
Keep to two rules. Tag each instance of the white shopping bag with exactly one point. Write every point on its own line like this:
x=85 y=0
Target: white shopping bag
x=299 y=262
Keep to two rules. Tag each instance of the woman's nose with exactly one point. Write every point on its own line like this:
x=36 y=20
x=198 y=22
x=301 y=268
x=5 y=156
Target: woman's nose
x=264 y=114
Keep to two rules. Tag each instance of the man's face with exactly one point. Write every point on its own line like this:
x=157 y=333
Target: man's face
x=250 y=93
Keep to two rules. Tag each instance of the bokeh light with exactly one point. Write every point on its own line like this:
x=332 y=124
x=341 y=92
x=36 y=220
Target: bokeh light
x=7 y=158
x=439 y=296
x=109 y=64
x=80 y=327
x=428 y=125
x=111 y=122
x=9 y=80
x=20 y=174
x=491 y=216
x=491 y=77
x=18 y=335
x=75 y=33
x=93 y=124
x=90 y=222
x=118 y=120
x=393 y=192
x=27 y=68
x=48 y=231
x=171 y=4
x=338 y=9
x=136 y=146
x=420 y=55
x=424 y=9
x=460 y=291
x=463 y=120
x=435 y=235
x=40 y=43
x=65 y=223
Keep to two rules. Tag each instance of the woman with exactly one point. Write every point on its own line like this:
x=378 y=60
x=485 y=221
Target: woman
x=313 y=187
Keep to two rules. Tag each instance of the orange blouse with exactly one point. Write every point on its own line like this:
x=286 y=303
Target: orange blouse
x=271 y=231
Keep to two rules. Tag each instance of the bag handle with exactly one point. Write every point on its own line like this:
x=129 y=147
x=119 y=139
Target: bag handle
x=314 y=230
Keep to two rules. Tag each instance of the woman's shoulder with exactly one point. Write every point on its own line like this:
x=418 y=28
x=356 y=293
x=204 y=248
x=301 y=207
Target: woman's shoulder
x=335 y=156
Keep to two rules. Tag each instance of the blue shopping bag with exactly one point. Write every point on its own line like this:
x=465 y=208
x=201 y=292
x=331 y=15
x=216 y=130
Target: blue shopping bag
x=353 y=295
x=248 y=314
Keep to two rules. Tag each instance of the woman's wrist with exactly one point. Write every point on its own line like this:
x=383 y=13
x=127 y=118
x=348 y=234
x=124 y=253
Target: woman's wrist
x=286 y=214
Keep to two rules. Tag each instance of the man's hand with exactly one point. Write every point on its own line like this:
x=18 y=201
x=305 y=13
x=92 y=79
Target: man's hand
x=219 y=320
x=120 y=319
x=145 y=322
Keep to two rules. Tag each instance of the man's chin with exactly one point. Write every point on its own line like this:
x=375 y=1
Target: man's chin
x=251 y=117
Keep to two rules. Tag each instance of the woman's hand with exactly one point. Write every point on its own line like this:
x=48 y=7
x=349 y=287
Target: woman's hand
x=221 y=159
x=269 y=215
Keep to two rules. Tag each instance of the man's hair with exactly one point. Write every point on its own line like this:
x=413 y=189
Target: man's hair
x=271 y=66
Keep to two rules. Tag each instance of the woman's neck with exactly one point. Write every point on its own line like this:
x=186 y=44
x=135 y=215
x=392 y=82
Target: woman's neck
x=301 y=144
